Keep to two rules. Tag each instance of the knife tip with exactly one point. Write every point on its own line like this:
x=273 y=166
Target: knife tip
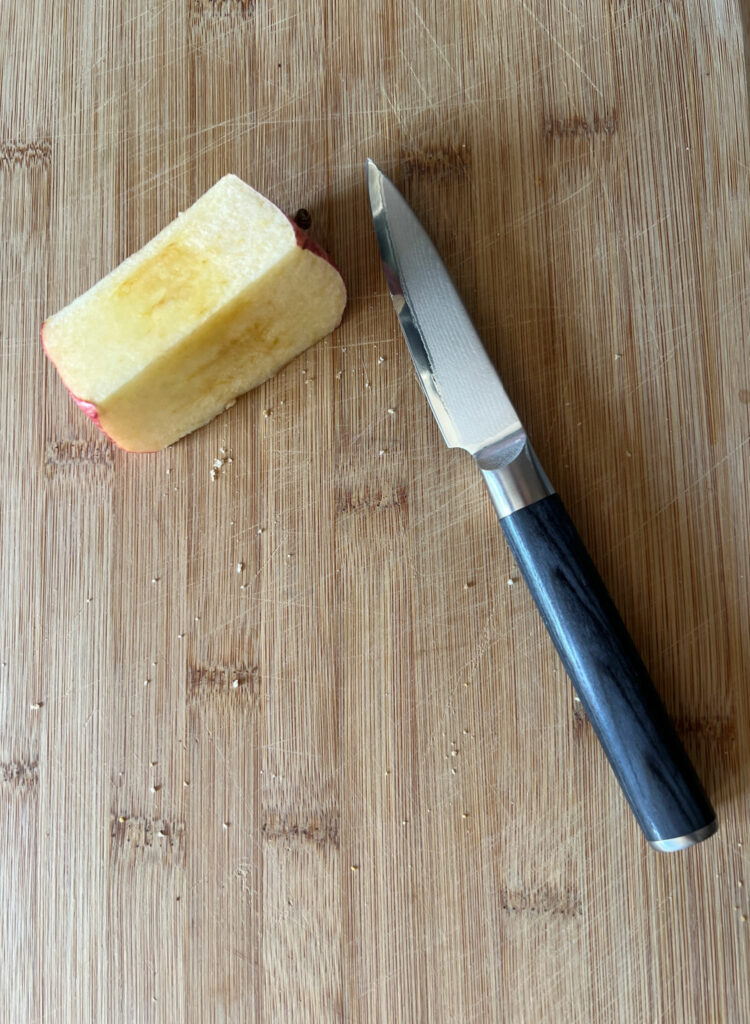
x=374 y=179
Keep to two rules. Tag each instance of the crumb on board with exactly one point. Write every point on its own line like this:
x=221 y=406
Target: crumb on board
x=220 y=463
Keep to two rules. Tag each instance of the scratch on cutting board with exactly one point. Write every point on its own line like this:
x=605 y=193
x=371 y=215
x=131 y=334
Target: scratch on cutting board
x=438 y=48
x=560 y=47
x=646 y=524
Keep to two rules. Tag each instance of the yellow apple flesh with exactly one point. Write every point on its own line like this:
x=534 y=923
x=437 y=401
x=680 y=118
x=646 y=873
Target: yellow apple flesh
x=215 y=304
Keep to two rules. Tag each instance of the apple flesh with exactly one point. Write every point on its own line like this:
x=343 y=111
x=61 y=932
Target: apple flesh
x=215 y=304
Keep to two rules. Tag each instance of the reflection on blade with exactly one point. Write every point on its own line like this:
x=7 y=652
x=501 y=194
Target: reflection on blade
x=461 y=384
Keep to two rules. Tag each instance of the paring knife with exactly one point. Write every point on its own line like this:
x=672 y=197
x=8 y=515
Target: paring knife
x=474 y=412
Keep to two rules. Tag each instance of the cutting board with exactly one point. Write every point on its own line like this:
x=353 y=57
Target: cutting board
x=291 y=743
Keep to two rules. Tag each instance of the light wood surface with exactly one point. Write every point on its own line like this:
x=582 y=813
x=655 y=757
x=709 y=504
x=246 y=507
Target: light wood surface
x=398 y=813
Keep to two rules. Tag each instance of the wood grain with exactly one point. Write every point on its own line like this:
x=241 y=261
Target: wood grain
x=399 y=811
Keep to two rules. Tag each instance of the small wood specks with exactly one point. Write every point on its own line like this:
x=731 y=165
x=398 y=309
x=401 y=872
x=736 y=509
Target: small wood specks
x=580 y=127
x=221 y=11
x=321 y=829
x=544 y=899
x=19 y=773
x=20 y=153
x=436 y=162
x=142 y=837
x=367 y=499
x=79 y=457
x=220 y=464
x=207 y=683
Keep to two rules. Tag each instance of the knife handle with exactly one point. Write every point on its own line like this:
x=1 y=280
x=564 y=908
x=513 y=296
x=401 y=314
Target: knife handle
x=609 y=677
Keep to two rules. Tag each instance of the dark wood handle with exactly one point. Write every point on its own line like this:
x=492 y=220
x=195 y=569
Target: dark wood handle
x=609 y=677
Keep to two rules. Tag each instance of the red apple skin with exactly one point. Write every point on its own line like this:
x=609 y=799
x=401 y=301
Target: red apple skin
x=87 y=407
x=304 y=241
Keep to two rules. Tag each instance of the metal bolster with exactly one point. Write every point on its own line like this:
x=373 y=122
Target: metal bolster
x=513 y=475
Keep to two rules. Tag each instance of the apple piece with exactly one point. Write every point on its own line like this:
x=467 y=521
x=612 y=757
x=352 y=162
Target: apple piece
x=223 y=297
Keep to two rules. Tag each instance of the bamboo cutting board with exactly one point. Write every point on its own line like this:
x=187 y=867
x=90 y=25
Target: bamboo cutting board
x=292 y=744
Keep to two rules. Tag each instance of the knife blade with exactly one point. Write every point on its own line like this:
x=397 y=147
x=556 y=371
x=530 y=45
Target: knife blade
x=475 y=413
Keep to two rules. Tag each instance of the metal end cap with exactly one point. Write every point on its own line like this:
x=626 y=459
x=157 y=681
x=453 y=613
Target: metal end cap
x=684 y=842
